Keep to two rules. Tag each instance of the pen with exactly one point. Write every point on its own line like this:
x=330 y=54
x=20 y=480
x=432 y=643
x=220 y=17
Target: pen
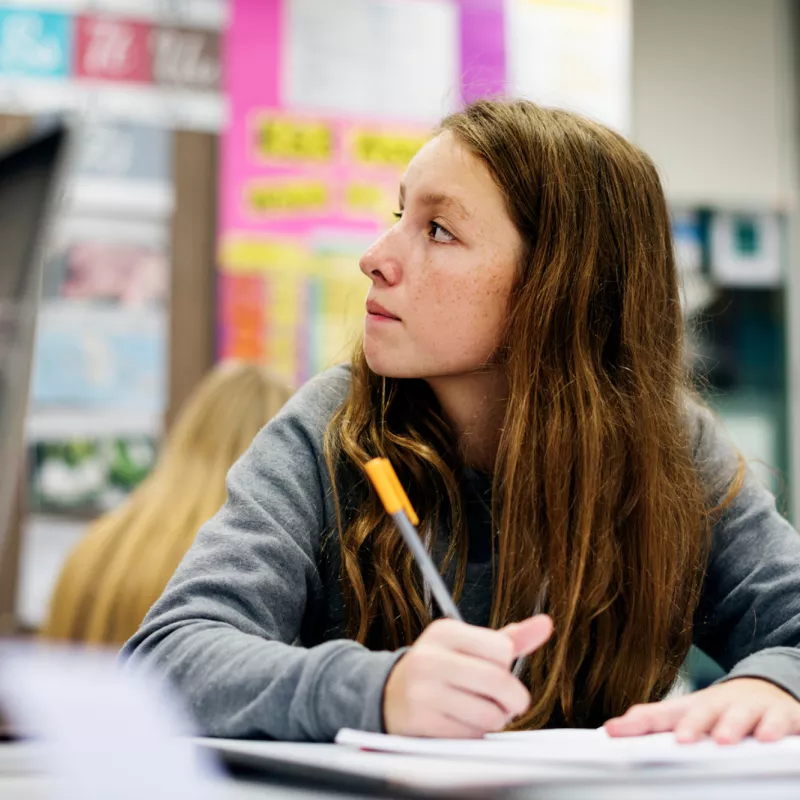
x=386 y=483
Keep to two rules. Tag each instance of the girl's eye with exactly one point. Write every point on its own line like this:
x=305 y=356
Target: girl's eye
x=440 y=234
x=436 y=234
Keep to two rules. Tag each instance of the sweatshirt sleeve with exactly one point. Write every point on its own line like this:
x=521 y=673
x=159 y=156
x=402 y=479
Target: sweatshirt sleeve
x=748 y=618
x=224 y=631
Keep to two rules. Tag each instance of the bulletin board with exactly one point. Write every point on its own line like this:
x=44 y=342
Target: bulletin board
x=135 y=80
x=328 y=102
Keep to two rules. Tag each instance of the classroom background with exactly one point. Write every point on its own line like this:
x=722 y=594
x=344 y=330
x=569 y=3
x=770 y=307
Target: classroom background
x=233 y=159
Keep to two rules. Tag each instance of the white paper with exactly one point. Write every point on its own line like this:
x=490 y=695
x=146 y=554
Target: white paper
x=572 y=55
x=379 y=58
x=579 y=747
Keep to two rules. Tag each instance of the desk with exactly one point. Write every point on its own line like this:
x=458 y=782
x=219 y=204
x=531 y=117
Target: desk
x=40 y=788
x=19 y=781
x=21 y=778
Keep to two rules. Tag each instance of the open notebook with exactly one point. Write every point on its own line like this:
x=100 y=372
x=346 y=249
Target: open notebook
x=591 y=748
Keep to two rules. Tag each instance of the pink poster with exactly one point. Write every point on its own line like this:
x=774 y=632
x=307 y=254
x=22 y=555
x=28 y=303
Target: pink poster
x=326 y=112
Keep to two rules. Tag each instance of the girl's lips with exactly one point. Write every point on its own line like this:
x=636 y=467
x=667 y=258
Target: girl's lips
x=376 y=310
x=380 y=318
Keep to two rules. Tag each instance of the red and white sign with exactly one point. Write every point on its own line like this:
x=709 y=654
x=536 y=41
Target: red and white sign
x=113 y=49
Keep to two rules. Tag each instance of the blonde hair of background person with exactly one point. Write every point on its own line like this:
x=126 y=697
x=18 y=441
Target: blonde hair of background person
x=122 y=565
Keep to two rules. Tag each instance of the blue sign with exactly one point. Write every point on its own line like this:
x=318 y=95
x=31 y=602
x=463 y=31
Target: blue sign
x=36 y=44
x=100 y=357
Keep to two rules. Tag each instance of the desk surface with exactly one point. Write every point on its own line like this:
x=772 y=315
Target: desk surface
x=20 y=780
x=41 y=788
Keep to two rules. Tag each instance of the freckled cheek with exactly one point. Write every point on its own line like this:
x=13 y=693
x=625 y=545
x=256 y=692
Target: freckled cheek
x=475 y=292
x=468 y=309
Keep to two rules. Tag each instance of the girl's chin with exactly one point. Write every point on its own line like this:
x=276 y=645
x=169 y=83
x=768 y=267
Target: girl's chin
x=387 y=365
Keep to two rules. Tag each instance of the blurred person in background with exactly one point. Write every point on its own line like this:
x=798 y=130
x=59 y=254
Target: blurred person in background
x=122 y=565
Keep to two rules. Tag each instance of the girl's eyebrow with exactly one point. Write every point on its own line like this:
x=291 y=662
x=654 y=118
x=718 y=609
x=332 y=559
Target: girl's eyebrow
x=438 y=199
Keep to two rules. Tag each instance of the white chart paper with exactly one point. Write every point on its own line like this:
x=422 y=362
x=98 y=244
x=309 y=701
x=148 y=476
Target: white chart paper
x=573 y=54
x=379 y=58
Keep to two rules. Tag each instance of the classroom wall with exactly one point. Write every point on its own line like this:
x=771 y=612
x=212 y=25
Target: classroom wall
x=714 y=102
x=710 y=99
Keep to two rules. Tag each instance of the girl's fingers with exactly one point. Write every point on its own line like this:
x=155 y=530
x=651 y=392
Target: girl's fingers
x=737 y=722
x=488 y=681
x=727 y=712
x=477 y=714
x=438 y=725
x=776 y=723
x=697 y=722
x=530 y=634
x=451 y=728
x=648 y=718
x=471 y=640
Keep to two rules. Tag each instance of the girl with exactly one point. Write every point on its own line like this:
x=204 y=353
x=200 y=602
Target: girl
x=521 y=369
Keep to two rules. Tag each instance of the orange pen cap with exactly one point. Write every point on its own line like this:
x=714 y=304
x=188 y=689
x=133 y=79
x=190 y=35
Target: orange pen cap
x=387 y=485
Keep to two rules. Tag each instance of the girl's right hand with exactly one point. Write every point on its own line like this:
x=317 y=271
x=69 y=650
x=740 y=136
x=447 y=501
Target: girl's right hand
x=456 y=682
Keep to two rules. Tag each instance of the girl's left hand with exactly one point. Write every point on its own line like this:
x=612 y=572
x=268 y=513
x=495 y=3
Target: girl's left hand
x=728 y=712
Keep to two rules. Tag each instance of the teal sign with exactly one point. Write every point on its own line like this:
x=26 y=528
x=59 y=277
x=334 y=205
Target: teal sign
x=36 y=44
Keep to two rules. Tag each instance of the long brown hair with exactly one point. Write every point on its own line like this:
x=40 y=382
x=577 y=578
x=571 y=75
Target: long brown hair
x=595 y=496
x=122 y=564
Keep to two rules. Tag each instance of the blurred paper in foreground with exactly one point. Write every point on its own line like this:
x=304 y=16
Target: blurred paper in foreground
x=106 y=732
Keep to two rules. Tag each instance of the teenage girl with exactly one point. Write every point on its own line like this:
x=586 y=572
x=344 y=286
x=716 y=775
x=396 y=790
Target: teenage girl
x=522 y=369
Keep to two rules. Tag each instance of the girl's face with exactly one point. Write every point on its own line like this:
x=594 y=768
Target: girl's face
x=442 y=275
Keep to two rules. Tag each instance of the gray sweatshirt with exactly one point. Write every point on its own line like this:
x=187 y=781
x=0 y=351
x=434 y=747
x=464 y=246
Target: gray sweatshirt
x=251 y=628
